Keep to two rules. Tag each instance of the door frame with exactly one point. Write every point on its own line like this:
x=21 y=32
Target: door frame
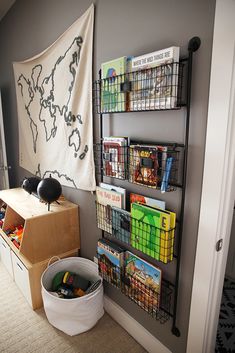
x=218 y=189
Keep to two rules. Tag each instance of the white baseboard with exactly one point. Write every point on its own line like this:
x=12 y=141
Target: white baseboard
x=137 y=331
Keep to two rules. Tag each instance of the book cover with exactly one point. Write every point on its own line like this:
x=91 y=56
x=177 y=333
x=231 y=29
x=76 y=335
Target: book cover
x=115 y=156
x=116 y=189
x=147 y=226
x=155 y=80
x=167 y=233
x=110 y=260
x=147 y=200
x=143 y=165
x=105 y=200
x=145 y=281
x=121 y=224
x=113 y=75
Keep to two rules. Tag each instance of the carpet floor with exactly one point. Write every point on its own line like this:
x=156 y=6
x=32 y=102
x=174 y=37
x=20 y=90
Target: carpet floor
x=23 y=330
x=225 y=339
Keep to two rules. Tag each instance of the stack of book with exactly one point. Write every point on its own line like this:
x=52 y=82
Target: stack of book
x=115 y=156
x=150 y=81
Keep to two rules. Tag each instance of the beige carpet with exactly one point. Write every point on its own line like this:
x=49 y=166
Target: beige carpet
x=23 y=330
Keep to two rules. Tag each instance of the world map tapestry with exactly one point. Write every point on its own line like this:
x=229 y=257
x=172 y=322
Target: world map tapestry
x=54 y=102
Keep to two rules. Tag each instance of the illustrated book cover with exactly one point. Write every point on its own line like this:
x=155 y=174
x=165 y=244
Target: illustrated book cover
x=155 y=80
x=105 y=199
x=147 y=200
x=146 y=223
x=145 y=281
x=118 y=189
x=121 y=224
x=144 y=165
x=113 y=75
x=110 y=260
x=115 y=156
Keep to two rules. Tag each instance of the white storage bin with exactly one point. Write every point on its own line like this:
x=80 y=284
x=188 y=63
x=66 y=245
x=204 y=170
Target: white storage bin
x=77 y=315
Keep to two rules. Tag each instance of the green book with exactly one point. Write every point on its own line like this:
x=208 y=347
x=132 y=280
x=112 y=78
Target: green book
x=113 y=75
x=146 y=225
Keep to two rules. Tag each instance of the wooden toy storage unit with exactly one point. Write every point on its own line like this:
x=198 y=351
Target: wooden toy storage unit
x=46 y=234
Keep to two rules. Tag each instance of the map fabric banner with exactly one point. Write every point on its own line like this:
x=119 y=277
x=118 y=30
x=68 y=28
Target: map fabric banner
x=54 y=102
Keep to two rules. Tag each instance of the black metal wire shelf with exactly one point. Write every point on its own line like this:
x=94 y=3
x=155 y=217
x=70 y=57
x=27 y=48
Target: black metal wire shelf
x=167 y=87
x=157 y=88
x=148 y=233
x=155 y=300
x=154 y=166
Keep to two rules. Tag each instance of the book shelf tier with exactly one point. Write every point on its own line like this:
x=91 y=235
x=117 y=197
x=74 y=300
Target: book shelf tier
x=156 y=88
x=143 y=293
x=154 y=165
x=143 y=232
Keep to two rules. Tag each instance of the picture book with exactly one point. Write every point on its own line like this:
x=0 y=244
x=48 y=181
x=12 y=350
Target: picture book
x=121 y=224
x=155 y=58
x=115 y=156
x=105 y=200
x=110 y=260
x=146 y=225
x=143 y=165
x=113 y=75
x=117 y=189
x=147 y=200
x=155 y=80
x=145 y=281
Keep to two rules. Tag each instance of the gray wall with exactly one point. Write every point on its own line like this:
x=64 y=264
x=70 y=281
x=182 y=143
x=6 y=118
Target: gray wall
x=123 y=27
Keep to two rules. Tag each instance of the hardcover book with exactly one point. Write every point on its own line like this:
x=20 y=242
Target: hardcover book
x=147 y=200
x=146 y=225
x=105 y=200
x=110 y=260
x=143 y=165
x=121 y=224
x=116 y=189
x=113 y=75
x=145 y=281
x=115 y=156
x=155 y=80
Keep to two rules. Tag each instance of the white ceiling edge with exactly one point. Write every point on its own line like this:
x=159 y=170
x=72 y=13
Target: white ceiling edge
x=5 y=5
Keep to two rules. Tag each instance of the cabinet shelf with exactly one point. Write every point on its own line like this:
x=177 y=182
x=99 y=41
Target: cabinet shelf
x=45 y=234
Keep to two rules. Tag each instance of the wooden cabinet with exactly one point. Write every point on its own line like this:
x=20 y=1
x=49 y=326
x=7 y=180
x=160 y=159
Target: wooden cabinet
x=46 y=234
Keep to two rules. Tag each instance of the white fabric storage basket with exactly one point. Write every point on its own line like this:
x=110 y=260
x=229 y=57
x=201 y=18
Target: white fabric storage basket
x=77 y=315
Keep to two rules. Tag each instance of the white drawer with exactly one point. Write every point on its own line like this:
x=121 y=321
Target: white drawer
x=21 y=276
x=6 y=255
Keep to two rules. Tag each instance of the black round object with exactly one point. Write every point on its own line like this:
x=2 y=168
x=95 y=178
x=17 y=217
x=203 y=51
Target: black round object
x=30 y=184
x=49 y=190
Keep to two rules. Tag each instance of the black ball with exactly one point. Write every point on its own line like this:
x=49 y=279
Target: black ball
x=30 y=184
x=49 y=190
